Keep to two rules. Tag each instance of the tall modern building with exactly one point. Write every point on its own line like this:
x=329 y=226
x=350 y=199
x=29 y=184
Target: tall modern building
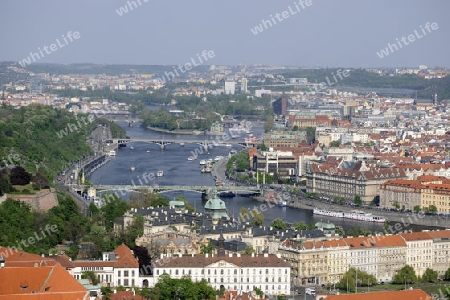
x=280 y=106
x=244 y=82
x=230 y=87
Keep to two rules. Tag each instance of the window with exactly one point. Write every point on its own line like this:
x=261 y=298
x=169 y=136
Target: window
x=125 y=273
x=132 y=273
x=118 y=282
x=176 y=272
x=118 y=274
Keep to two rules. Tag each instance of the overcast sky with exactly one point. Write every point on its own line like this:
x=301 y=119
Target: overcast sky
x=328 y=33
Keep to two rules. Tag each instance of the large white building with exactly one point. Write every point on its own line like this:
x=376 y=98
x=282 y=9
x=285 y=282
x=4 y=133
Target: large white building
x=242 y=272
x=230 y=87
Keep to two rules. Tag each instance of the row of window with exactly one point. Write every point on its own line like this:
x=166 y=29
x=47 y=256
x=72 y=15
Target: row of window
x=125 y=273
x=216 y=272
x=255 y=279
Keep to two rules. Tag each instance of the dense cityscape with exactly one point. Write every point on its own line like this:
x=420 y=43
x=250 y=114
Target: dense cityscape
x=205 y=161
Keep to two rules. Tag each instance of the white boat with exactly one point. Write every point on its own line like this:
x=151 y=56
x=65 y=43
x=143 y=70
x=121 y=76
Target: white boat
x=354 y=215
x=131 y=148
x=192 y=157
x=227 y=145
x=132 y=169
x=148 y=151
x=362 y=216
x=206 y=170
x=233 y=151
x=160 y=173
x=334 y=214
x=202 y=162
x=112 y=153
x=182 y=144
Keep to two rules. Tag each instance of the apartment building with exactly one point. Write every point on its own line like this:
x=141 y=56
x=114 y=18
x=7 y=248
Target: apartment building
x=284 y=139
x=419 y=251
x=326 y=261
x=333 y=179
x=424 y=191
x=441 y=250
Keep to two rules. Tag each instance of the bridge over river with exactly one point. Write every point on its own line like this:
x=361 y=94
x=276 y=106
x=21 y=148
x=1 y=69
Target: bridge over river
x=206 y=191
x=204 y=142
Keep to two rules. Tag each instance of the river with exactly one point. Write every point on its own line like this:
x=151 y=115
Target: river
x=179 y=171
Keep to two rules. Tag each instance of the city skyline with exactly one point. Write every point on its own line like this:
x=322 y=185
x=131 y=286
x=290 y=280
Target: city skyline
x=304 y=33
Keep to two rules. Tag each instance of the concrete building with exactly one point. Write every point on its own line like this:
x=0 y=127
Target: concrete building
x=284 y=139
x=280 y=106
x=230 y=87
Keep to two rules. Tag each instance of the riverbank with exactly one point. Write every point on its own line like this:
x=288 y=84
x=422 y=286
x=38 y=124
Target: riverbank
x=404 y=219
x=176 y=131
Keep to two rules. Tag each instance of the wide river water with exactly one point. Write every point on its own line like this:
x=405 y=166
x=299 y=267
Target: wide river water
x=179 y=171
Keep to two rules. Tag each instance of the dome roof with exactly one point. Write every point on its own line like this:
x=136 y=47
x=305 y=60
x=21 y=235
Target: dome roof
x=215 y=204
x=324 y=225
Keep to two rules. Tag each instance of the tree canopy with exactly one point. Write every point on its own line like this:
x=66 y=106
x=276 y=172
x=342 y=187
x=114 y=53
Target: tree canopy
x=405 y=274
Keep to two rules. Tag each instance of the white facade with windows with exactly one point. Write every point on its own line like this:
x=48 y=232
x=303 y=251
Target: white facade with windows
x=242 y=272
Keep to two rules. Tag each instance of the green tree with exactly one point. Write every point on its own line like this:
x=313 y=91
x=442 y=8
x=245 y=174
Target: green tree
x=447 y=275
x=340 y=231
x=396 y=205
x=356 y=231
x=358 y=200
x=268 y=122
x=258 y=292
x=432 y=209
x=430 y=275
x=278 y=224
x=258 y=218
x=348 y=280
x=113 y=208
x=249 y=250
x=334 y=144
x=207 y=249
x=405 y=274
x=417 y=208
x=300 y=226
x=91 y=276
x=184 y=288
x=146 y=293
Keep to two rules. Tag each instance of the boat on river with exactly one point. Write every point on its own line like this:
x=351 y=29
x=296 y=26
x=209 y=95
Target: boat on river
x=353 y=215
x=160 y=173
x=190 y=158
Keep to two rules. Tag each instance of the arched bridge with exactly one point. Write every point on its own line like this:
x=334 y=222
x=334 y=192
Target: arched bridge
x=205 y=143
x=239 y=190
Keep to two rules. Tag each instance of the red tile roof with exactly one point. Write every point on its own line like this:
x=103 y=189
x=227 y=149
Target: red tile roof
x=46 y=282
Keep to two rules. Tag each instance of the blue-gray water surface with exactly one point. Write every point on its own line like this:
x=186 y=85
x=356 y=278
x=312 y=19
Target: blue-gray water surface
x=179 y=171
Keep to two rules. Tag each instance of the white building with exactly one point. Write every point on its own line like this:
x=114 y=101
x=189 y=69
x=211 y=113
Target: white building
x=242 y=272
x=230 y=87
x=118 y=268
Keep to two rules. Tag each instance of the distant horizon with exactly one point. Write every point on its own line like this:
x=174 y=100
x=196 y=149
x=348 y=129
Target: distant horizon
x=226 y=65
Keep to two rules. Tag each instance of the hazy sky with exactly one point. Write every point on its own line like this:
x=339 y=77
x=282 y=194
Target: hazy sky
x=328 y=33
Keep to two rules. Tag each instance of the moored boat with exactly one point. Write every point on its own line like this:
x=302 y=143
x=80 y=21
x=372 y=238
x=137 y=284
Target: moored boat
x=192 y=158
x=160 y=173
x=353 y=215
